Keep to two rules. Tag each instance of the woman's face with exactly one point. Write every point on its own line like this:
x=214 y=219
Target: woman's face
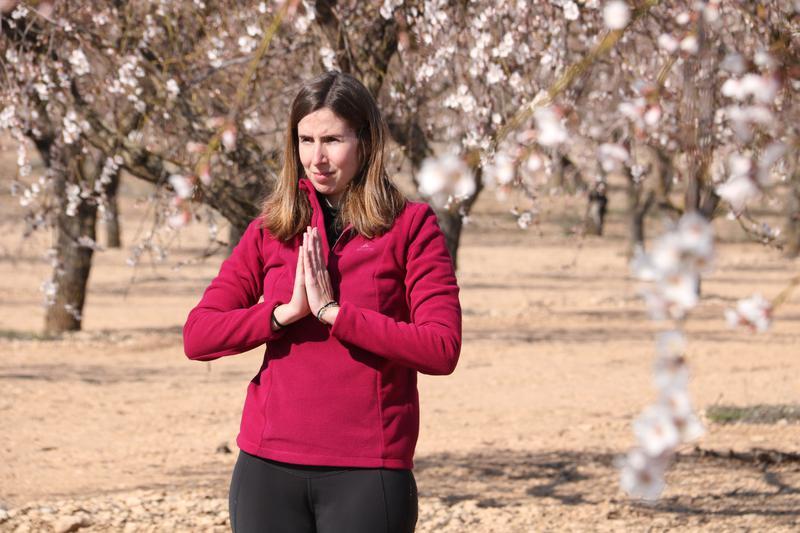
x=328 y=151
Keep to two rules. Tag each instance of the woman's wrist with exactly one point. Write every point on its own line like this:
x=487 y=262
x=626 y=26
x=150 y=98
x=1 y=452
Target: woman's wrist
x=327 y=314
x=283 y=315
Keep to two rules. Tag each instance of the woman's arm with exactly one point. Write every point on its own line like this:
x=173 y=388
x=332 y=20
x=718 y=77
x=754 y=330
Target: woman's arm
x=229 y=320
x=431 y=341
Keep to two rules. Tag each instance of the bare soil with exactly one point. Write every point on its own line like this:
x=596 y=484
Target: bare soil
x=113 y=429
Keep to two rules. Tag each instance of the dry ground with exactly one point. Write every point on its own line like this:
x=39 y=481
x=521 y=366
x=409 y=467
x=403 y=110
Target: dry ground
x=113 y=429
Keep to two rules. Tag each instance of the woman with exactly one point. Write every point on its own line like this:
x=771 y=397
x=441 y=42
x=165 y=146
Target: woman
x=359 y=295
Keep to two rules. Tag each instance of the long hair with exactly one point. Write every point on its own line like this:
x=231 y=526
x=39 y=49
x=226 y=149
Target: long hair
x=370 y=202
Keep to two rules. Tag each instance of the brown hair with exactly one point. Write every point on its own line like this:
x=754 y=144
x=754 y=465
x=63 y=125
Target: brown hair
x=371 y=202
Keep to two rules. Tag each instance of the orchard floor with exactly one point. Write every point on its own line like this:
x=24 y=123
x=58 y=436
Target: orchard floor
x=113 y=429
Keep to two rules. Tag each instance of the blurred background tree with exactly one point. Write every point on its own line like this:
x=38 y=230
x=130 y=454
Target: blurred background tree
x=690 y=102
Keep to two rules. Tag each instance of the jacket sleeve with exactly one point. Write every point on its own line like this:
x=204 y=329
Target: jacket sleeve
x=431 y=342
x=229 y=320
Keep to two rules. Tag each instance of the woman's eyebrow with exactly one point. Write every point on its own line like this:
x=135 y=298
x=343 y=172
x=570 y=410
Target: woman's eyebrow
x=327 y=136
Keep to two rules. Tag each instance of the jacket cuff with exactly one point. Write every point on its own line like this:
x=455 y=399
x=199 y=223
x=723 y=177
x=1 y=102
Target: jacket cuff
x=342 y=327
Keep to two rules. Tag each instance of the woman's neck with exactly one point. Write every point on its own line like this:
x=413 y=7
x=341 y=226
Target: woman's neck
x=332 y=201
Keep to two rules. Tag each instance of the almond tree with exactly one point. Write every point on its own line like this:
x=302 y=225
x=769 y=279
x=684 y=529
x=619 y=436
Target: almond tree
x=690 y=81
x=149 y=88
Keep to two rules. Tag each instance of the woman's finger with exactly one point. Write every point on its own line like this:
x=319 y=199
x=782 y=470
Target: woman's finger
x=300 y=271
x=309 y=271
x=320 y=260
x=313 y=252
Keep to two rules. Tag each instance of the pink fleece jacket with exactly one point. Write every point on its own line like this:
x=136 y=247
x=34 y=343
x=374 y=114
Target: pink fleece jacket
x=344 y=395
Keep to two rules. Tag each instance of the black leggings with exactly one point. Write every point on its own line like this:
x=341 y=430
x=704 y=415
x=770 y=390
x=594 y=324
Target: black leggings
x=272 y=497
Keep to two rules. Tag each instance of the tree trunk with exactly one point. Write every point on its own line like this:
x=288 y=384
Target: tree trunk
x=235 y=233
x=73 y=259
x=596 y=210
x=450 y=223
x=113 y=237
x=698 y=108
x=639 y=203
x=792 y=230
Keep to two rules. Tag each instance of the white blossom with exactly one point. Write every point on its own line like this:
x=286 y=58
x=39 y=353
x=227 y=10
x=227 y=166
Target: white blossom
x=247 y=44
x=695 y=240
x=12 y=56
x=681 y=293
x=229 y=138
x=611 y=156
x=683 y=18
x=328 y=57
x=754 y=312
x=551 y=129
x=49 y=288
x=656 y=431
x=462 y=100
x=19 y=12
x=668 y=42
x=642 y=477
x=740 y=188
x=763 y=89
x=172 y=88
x=733 y=63
x=73 y=199
x=79 y=62
x=495 y=74
x=652 y=116
x=676 y=401
x=689 y=44
x=670 y=369
x=179 y=219
x=505 y=47
x=71 y=129
x=444 y=178
x=571 y=11
x=183 y=187
x=616 y=15
x=7 y=116
x=500 y=171
x=525 y=219
x=388 y=7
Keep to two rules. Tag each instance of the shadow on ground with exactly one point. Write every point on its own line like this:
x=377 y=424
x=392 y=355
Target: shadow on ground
x=699 y=484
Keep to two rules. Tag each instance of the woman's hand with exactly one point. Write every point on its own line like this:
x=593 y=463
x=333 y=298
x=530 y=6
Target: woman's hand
x=297 y=307
x=319 y=290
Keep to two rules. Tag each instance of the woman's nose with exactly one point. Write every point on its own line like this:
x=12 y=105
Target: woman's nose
x=319 y=155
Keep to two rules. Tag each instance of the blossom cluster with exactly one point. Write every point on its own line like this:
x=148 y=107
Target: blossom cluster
x=673 y=267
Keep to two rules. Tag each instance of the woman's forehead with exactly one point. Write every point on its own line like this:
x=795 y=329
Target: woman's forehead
x=321 y=122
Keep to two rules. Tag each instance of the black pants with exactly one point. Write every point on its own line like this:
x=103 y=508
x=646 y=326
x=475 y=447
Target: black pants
x=272 y=497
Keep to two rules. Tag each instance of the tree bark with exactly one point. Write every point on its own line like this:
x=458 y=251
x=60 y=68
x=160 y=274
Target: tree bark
x=698 y=108
x=113 y=234
x=73 y=258
x=639 y=202
x=451 y=223
x=596 y=210
x=235 y=233
x=792 y=230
